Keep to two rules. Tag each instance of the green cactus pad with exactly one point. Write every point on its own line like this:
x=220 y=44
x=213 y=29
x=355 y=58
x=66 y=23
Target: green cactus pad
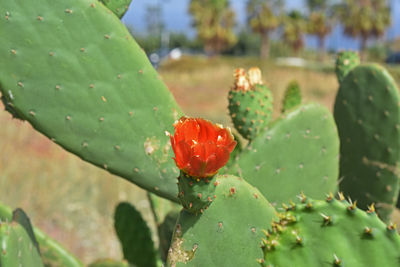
x=298 y=152
x=368 y=118
x=18 y=247
x=292 y=96
x=250 y=110
x=52 y=253
x=74 y=72
x=228 y=233
x=108 y=263
x=119 y=7
x=135 y=236
x=345 y=62
x=331 y=233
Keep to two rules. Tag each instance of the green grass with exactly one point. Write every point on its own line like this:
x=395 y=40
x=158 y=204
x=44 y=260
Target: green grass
x=74 y=201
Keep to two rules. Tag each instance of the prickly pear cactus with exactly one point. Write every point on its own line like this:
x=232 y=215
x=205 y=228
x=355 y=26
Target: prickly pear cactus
x=292 y=97
x=298 y=152
x=135 y=236
x=18 y=245
x=119 y=7
x=345 y=62
x=250 y=103
x=367 y=115
x=330 y=233
x=74 y=72
x=52 y=253
x=228 y=232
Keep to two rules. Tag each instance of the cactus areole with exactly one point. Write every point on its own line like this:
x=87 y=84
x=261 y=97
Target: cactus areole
x=201 y=148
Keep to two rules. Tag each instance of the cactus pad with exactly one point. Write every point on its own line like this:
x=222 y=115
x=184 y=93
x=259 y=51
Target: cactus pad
x=135 y=236
x=367 y=115
x=345 y=62
x=298 y=152
x=52 y=253
x=73 y=71
x=292 y=96
x=119 y=7
x=228 y=233
x=330 y=233
x=250 y=104
x=17 y=243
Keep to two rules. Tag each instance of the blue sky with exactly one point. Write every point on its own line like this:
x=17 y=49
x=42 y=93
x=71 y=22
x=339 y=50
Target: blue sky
x=176 y=19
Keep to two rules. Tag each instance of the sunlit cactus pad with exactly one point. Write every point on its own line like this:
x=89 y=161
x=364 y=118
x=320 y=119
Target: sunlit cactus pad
x=345 y=62
x=330 y=233
x=367 y=114
x=250 y=103
x=298 y=152
x=228 y=233
x=119 y=7
x=74 y=72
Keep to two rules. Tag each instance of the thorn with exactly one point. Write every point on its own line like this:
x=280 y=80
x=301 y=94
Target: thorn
x=371 y=208
x=265 y=233
x=337 y=261
x=392 y=226
x=199 y=195
x=302 y=197
x=274 y=243
x=292 y=205
x=341 y=196
x=327 y=219
x=299 y=240
x=368 y=230
x=329 y=197
x=285 y=207
x=352 y=206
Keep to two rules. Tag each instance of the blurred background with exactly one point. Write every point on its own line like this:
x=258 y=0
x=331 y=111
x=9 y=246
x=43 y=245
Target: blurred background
x=195 y=45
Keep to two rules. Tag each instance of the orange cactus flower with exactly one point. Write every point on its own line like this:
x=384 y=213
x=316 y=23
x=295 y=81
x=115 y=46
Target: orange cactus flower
x=201 y=148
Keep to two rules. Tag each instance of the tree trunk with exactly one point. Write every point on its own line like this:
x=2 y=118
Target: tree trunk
x=321 y=48
x=264 y=49
x=363 y=47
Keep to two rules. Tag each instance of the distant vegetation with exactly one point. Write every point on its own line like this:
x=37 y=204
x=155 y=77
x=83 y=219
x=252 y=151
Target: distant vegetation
x=271 y=30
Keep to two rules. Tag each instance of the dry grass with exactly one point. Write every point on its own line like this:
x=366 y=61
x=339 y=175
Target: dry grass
x=74 y=201
x=69 y=199
x=201 y=86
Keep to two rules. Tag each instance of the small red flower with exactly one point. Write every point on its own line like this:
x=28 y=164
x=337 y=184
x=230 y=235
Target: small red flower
x=201 y=148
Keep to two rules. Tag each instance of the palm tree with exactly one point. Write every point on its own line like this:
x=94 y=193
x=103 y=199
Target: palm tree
x=319 y=23
x=214 y=21
x=294 y=27
x=263 y=18
x=364 y=19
